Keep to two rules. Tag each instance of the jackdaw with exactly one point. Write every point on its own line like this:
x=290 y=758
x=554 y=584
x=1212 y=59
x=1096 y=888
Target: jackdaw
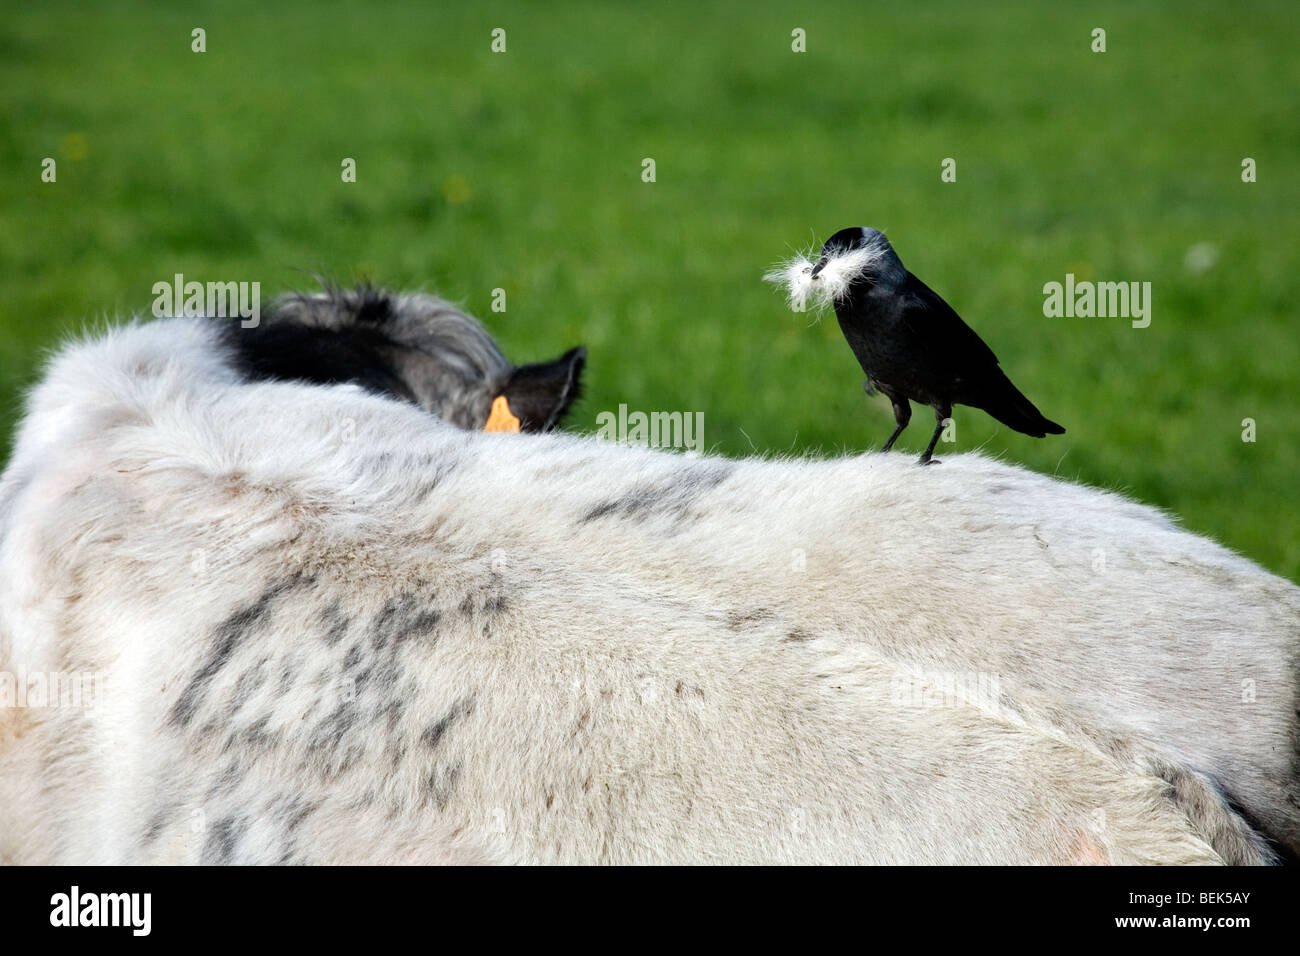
x=910 y=342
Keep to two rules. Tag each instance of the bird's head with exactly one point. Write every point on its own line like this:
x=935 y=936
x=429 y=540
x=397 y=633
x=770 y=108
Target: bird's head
x=857 y=257
x=853 y=254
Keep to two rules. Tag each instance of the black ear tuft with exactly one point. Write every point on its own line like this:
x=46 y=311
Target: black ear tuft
x=540 y=394
x=286 y=351
x=371 y=305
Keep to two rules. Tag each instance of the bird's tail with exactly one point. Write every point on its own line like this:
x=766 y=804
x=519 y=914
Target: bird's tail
x=1008 y=405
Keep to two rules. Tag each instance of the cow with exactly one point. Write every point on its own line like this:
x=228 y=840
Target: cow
x=327 y=617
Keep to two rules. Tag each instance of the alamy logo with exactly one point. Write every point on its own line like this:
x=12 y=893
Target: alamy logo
x=103 y=909
x=684 y=430
x=1124 y=300
x=79 y=690
x=948 y=689
x=218 y=300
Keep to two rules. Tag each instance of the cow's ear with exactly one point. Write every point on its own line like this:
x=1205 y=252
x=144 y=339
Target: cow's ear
x=540 y=394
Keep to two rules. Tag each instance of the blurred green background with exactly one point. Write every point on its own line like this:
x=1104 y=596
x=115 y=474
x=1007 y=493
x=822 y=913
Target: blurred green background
x=522 y=170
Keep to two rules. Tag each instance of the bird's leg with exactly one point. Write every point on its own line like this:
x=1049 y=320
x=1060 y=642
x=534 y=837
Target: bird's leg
x=902 y=415
x=941 y=414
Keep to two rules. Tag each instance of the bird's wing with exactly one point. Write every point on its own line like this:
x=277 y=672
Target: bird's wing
x=940 y=331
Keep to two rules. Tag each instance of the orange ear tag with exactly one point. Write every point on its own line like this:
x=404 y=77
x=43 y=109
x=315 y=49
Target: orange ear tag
x=501 y=420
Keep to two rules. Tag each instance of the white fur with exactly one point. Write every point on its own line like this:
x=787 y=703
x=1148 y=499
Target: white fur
x=829 y=286
x=407 y=643
x=795 y=274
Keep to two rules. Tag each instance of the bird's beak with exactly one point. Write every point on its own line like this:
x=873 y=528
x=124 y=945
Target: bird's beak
x=821 y=264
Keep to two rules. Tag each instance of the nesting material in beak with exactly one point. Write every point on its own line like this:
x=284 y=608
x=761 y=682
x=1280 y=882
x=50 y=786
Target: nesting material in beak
x=826 y=282
x=796 y=275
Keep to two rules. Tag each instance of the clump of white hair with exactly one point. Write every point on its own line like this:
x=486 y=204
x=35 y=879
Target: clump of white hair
x=832 y=284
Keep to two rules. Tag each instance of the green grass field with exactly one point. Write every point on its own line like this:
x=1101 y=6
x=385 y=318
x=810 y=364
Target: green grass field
x=522 y=170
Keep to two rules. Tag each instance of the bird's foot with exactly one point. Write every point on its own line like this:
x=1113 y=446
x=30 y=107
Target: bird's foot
x=925 y=460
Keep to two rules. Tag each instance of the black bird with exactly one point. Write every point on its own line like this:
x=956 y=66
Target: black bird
x=910 y=342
